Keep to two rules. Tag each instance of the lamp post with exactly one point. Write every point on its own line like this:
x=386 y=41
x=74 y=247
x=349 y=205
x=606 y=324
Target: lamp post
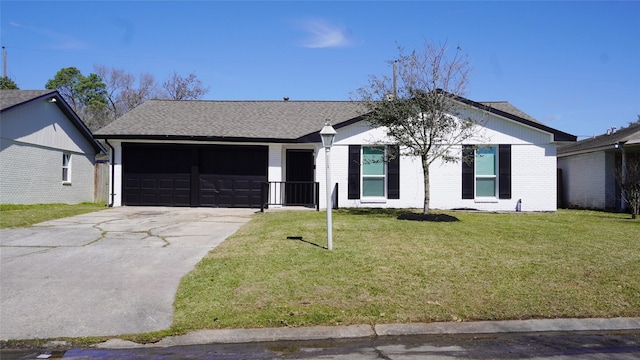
x=328 y=133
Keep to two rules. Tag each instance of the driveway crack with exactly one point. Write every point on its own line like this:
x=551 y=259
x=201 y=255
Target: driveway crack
x=150 y=234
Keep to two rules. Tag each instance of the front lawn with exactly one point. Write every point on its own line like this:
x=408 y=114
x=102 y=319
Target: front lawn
x=487 y=266
x=27 y=215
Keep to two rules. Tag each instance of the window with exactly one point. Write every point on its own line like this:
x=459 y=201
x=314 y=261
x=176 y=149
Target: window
x=486 y=161
x=66 y=167
x=486 y=171
x=372 y=173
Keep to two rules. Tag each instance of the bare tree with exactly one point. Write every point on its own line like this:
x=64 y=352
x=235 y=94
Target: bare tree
x=134 y=96
x=418 y=108
x=115 y=80
x=121 y=90
x=628 y=178
x=184 y=88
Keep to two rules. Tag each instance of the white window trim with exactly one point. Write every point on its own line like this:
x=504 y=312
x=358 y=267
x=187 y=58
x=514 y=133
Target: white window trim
x=485 y=199
x=373 y=199
x=67 y=166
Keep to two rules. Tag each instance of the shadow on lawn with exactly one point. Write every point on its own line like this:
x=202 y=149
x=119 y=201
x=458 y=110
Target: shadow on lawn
x=299 y=238
x=400 y=214
x=375 y=211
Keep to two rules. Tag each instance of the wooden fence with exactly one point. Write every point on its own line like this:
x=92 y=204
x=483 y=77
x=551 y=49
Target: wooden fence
x=101 y=182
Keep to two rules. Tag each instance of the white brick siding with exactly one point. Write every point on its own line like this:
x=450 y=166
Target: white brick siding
x=533 y=180
x=33 y=175
x=584 y=180
x=533 y=170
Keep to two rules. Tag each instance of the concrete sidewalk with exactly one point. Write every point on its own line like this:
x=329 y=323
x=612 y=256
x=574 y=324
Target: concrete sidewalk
x=110 y=272
x=231 y=336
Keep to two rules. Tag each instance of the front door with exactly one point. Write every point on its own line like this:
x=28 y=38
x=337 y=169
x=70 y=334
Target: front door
x=300 y=187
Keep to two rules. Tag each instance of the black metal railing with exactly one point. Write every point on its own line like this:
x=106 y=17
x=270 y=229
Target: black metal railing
x=291 y=193
x=294 y=193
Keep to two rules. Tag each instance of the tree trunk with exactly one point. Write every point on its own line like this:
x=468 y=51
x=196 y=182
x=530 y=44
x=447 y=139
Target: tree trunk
x=425 y=171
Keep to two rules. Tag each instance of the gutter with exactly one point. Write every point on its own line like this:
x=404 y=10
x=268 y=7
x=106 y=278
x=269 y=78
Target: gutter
x=612 y=146
x=112 y=160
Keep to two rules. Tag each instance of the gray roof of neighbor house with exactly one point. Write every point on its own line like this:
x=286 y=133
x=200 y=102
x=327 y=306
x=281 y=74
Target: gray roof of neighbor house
x=10 y=99
x=273 y=121
x=629 y=135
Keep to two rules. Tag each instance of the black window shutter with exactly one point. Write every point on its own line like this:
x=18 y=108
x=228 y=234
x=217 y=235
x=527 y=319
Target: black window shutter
x=504 y=171
x=468 y=166
x=393 y=173
x=353 y=187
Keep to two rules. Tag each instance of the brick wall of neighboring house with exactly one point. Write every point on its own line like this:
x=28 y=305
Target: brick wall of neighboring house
x=586 y=174
x=33 y=175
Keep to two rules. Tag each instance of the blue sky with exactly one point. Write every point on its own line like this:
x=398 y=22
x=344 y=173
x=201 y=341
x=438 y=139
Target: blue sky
x=575 y=66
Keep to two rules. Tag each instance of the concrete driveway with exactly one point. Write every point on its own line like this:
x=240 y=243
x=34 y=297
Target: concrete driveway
x=110 y=272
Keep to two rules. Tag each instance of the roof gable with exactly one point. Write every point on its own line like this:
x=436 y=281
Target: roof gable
x=10 y=99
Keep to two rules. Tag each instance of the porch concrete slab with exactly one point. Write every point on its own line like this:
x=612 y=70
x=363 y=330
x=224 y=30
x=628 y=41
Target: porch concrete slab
x=80 y=277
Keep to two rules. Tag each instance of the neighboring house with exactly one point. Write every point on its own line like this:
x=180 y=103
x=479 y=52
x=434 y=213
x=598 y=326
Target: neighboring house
x=223 y=153
x=588 y=168
x=47 y=154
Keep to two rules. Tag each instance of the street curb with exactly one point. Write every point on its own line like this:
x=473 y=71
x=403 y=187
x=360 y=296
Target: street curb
x=509 y=326
x=236 y=336
x=232 y=336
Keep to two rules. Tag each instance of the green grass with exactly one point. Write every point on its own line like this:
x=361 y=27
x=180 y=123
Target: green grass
x=487 y=266
x=27 y=215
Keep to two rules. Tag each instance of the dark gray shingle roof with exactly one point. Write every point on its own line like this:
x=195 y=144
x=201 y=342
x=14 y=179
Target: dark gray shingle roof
x=286 y=121
x=505 y=109
x=283 y=120
x=508 y=108
x=629 y=135
x=11 y=98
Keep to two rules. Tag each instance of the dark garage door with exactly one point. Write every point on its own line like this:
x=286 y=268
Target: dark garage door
x=184 y=175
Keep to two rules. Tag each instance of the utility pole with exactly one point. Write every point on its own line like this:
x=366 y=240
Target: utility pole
x=395 y=81
x=4 y=62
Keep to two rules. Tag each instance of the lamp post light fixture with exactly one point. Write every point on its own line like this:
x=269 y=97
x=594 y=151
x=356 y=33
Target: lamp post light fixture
x=328 y=134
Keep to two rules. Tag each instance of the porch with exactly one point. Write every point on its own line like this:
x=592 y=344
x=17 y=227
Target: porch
x=294 y=194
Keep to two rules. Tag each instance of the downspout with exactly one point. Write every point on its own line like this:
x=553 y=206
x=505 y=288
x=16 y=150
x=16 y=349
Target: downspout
x=112 y=160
